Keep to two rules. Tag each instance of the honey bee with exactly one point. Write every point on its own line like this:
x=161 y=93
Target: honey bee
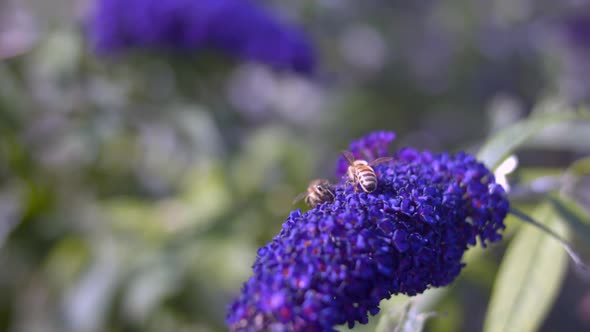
x=361 y=173
x=318 y=191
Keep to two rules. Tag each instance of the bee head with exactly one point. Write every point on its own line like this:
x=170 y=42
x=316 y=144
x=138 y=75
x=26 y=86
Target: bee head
x=320 y=188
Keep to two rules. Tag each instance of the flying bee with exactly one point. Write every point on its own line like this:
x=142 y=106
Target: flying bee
x=361 y=173
x=318 y=191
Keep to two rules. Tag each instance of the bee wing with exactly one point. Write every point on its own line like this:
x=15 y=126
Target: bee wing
x=380 y=160
x=349 y=156
x=299 y=197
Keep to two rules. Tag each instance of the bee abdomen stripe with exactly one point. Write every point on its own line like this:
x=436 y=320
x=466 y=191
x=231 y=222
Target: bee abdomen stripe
x=366 y=172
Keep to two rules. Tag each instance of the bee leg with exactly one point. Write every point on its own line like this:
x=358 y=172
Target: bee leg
x=354 y=186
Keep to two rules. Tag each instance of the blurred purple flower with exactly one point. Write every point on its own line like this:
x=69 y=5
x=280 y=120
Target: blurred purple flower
x=576 y=31
x=575 y=56
x=333 y=264
x=239 y=28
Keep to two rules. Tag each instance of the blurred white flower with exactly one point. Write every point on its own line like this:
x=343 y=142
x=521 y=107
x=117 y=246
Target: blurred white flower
x=506 y=167
x=18 y=32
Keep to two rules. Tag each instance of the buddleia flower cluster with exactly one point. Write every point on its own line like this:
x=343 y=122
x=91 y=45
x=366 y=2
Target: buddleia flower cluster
x=238 y=28
x=333 y=264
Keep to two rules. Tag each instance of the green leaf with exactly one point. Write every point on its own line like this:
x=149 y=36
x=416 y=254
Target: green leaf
x=574 y=215
x=529 y=278
x=407 y=319
x=580 y=167
x=402 y=310
x=390 y=312
x=502 y=144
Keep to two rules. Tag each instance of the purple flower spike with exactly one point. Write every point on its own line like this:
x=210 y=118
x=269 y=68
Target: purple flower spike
x=238 y=28
x=333 y=264
x=368 y=148
x=576 y=31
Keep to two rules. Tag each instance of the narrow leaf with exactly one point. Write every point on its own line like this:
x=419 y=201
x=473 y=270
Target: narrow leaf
x=502 y=144
x=574 y=215
x=407 y=319
x=582 y=268
x=529 y=278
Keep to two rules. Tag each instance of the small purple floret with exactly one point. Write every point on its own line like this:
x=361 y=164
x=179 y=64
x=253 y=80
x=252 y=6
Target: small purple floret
x=333 y=264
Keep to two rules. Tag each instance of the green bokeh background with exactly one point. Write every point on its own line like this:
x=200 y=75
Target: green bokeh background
x=135 y=191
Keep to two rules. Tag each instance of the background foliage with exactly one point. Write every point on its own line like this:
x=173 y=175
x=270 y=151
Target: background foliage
x=135 y=191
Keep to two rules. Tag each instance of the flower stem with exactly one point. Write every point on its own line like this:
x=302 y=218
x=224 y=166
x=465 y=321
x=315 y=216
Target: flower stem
x=582 y=268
